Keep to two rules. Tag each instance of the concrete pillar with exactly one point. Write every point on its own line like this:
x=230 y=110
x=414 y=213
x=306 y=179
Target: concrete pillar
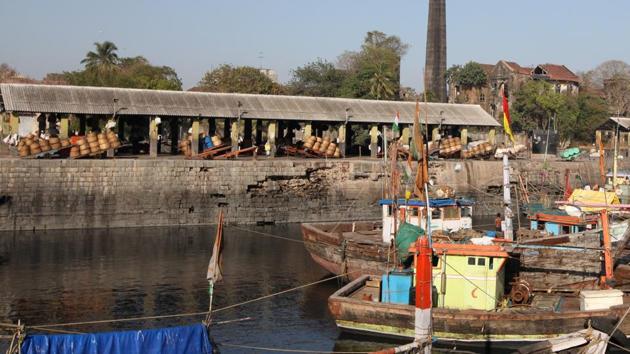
x=235 y=134
x=464 y=137
x=174 y=136
x=153 y=138
x=258 y=132
x=272 y=134
x=492 y=136
x=342 y=139
x=374 y=141
x=247 y=133
x=308 y=130
x=14 y=123
x=63 y=127
x=195 y=136
x=406 y=135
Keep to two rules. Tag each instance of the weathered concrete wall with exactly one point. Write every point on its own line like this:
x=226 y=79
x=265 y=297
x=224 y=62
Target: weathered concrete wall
x=54 y=194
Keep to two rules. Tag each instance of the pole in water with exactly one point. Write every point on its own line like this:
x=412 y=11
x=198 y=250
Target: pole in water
x=423 y=330
x=508 y=231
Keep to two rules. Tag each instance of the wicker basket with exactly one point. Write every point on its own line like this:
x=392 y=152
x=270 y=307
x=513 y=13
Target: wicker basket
x=65 y=143
x=91 y=138
x=74 y=152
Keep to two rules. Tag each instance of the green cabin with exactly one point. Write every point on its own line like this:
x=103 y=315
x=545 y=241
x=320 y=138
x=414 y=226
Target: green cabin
x=468 y=276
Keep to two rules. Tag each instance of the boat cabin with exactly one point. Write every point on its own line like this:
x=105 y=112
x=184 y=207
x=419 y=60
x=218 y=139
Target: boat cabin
x=560 y=223
x=468 y=276
x=447 y=215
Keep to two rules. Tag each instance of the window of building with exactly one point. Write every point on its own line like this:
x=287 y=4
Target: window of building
x=482 y=97
x=491 y=263
x=481 y=261
x=451 y=212
x=471 y=261
x=435 y=213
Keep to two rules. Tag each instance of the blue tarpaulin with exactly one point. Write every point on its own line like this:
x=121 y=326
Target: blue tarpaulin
x=172 y=340
x=434 y=203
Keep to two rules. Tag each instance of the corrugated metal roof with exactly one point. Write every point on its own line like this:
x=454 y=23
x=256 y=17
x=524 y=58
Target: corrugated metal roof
x=100 y=100
x=623 y=121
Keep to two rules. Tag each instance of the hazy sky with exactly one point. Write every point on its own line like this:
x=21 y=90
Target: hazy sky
x=194 y=36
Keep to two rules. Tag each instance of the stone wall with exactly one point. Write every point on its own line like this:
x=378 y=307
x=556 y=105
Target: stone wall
x=54 y=194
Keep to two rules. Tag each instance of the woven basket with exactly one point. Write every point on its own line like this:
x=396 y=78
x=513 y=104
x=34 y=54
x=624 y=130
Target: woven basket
x=104 y=146
x=74 y=151
x=55 y=146
x=115 y=144
x=91 y=138
x=65 y=143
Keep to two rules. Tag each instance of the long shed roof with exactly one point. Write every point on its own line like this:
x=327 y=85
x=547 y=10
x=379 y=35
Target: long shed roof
x=101 y=100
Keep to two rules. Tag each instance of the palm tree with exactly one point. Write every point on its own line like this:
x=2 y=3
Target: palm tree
x=381 y=86
x=104 y=58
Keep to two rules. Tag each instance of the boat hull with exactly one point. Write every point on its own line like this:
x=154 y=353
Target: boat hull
x=342 y=249
x=392 y=320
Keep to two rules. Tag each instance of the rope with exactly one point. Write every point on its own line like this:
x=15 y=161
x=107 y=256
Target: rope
x=284 y=350
x=265 y=234
x=190 y=314
x=618 y=324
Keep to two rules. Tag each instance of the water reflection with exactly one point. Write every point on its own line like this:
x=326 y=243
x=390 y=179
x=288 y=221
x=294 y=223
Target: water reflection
x=83 y=275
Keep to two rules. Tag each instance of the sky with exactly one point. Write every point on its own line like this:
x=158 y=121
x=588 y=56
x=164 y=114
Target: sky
x=194 y=36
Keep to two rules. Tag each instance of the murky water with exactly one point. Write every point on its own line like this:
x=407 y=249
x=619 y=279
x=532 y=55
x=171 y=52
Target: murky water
x=84 y=275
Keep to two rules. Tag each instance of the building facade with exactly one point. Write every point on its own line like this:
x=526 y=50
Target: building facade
x=489 y=96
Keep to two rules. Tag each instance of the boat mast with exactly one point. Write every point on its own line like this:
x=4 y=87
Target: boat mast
x=422 y=328
x=508 y=232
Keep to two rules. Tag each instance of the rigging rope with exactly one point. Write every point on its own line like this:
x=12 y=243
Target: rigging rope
x=190 y=314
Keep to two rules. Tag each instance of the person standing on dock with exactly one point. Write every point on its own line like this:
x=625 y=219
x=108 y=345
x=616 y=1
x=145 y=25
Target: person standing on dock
x=497 y=223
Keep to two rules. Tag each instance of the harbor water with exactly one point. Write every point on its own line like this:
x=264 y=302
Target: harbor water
x=85 y=275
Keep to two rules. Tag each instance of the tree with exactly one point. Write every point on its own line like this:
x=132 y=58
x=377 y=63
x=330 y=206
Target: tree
x=468 y=76
x=381 y=86
x=103 y=67
x=319 y=78
x=373 y=72
x=605 y=71
x=617 y=92
x=538 y=106
x=241 y=79
x=9 y=75
x=104 y=58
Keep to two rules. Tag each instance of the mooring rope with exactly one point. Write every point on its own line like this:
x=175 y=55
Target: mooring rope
x=189 y=314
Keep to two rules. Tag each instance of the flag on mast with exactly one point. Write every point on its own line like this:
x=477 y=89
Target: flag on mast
x=507 y=122
x=395 y=127
x=215 y=266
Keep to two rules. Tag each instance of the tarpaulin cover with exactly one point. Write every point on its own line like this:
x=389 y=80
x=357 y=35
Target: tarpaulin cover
x=407 y=234
x=185 y=339
x=434 y=203
x=593 y=197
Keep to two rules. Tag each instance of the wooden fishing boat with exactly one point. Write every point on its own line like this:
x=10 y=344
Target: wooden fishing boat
x=354 y=310
x=365 y=247
x=471 y=302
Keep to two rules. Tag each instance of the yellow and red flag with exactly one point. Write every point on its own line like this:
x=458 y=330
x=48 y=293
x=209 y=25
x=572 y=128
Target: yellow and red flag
x=507 y=122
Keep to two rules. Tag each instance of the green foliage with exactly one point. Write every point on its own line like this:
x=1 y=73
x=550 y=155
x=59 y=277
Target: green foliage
x=467 y=76
x=241 y=79
x=319 y=78
x=536 y=104
x=104 y=68
x=104 y=58
x=360 y=135
x=373 y=72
